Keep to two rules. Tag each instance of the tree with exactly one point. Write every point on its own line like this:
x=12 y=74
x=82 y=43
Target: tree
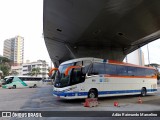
x=5 y=69
x=14 y=73
x=4 y=59
x=35 y=71
x=154 y=65
x=5 y=65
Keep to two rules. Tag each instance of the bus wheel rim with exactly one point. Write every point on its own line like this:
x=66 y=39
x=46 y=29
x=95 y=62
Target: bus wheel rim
x=143 y=92
x=92 y=95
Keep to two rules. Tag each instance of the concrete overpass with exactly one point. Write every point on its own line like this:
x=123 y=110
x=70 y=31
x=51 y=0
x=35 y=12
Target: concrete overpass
x=98 y=28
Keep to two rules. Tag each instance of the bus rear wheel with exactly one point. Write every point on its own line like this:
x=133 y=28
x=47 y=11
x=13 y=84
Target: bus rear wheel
x=14 y=87
x=143 y=92
x=92 y=94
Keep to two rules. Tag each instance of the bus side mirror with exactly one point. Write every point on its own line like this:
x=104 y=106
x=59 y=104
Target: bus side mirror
x=50 y=72
x=69 y=68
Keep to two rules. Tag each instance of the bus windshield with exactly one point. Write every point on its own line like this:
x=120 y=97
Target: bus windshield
x=8 y=80
x=75 y=75
x=60 y=79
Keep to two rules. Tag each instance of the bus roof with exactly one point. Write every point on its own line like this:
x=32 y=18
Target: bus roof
x=128 y=64
x=76 y=60
x=23 y=76
x=104 y=61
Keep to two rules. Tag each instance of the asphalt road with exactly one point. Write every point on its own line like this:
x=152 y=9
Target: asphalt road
x=41 y=99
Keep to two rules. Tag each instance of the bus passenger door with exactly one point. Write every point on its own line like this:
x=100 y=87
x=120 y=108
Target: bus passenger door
x=96 y=73
x=78 y=74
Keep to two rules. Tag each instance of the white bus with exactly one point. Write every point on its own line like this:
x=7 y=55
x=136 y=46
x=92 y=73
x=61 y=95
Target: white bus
x=94 y=77
x=21 y=82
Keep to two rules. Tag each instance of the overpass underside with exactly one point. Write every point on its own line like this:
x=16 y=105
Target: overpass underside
x=107 y=29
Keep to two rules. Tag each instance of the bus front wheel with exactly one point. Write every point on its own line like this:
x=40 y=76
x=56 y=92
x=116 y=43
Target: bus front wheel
x=92 y=93
x=143 y=92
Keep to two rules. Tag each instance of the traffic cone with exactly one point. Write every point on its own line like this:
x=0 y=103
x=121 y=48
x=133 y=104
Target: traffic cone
x=116 y=104
x=140 y=100
x=87 y=103
x=90 y=102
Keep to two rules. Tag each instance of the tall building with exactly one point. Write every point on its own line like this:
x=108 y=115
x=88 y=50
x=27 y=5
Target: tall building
x=14 y=49
x=136 y=57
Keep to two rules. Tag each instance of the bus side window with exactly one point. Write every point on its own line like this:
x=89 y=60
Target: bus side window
x=110 y=69
x=97 y=68
x=132 y=71
x=9 y=80
x=122 y=70
x=26 y=79
x=76 y=76
x=150 y=72
x=141 y=72
x=79 y=63
x=86 y=65
x=21 y=78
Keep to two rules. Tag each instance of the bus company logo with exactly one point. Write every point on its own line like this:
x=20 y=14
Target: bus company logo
x=21 y=114
x=101 y=80
x=6 y=114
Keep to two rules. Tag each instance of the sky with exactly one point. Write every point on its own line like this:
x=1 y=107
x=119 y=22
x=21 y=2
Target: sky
x=25 y=18
x=154 y=52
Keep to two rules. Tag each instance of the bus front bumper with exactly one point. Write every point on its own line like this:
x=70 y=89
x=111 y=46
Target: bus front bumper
x=70 y=95
x=6 y=87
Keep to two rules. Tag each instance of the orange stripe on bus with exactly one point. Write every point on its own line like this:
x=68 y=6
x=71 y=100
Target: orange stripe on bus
x=53 y=69
x=154 y=77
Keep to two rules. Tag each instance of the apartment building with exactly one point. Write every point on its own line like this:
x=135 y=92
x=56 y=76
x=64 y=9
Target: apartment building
x=28 y=66
x=14 y=49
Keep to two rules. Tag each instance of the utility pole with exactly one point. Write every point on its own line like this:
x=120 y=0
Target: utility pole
x=51 y=64
x=148 y=55
x=126 y=59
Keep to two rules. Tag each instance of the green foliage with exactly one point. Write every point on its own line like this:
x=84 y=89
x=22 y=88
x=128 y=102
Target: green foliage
x=5 y=69
x=14 y=73
x=154 y=65
x=35 y=71
x=3 y=60
x=5 y=65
